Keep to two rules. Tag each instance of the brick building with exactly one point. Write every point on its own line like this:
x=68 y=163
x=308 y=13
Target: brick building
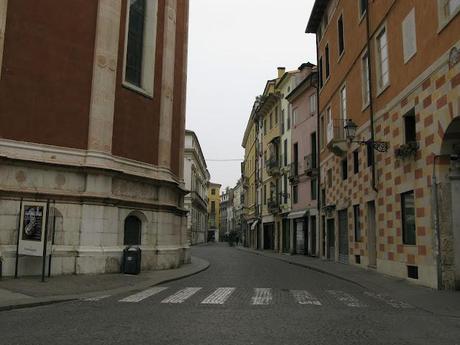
x=392 y=69
x=92 y=121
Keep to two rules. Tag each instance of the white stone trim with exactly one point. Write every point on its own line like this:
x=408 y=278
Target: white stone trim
x=149 y=50
x=81 y=158
x=102 y=105
x=3 y=9
x=184 y=89
x=167 y=84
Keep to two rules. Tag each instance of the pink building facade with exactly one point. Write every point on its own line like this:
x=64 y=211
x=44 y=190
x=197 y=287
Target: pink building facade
x=304 y=173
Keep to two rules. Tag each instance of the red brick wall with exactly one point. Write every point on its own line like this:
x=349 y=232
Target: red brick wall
x=45 y=87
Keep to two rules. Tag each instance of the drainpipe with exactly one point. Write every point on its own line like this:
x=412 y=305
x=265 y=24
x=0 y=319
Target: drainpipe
x=371 y=104
x=434 y=188
x=318 y=151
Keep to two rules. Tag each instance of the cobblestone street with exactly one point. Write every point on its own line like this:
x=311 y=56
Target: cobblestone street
x=241 y=299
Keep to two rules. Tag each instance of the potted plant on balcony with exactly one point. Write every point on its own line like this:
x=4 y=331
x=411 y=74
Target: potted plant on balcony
x=407 y=150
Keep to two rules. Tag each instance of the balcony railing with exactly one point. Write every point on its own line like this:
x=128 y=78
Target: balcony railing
x=294 y=171
x=336 y=138
x=310 y=165
x=336 y=130
x=272 y=164
x=273 y=205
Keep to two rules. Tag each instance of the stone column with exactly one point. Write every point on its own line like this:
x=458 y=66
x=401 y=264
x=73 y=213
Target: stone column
x=184 y=92
x=104 y=76
x=3 y=8
x=167 y=85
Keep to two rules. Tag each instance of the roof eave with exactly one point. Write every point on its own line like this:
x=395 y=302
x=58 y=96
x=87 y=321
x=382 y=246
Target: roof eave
x=316 y=15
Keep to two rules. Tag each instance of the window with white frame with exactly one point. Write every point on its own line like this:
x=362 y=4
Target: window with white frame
x=448 y=8
x=343 y=103
x=409 y=36
x=326 y=54
x=383 y=72
x=365 y=79
x=313 y=104
x=330 y=125
x=140 y=36
x=362 y=7
x=322 y=131
x=341 y=40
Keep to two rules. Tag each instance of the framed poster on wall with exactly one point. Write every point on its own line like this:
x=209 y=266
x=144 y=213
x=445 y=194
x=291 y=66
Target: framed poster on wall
x=32 y=228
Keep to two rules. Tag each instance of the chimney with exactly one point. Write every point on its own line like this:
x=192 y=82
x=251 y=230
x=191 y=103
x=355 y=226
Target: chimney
x=281 y=71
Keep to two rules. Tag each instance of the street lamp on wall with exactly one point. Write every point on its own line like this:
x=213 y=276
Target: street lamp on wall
x=350 y=132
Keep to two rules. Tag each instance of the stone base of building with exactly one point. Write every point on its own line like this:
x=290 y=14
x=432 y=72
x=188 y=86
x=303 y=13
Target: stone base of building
x=427 y=275
x=67 y=261
x=91 y=205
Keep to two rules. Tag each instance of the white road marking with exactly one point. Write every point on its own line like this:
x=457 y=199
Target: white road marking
x=304 y=297
x=219 y=296
x=95 y=298
x=143 y=295
x=389 y=300
x=346 y=299
x=262 y=296
x=181 y=296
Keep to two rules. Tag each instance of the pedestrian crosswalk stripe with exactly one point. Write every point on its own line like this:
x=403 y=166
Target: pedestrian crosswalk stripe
x=304 y=297
x=182 y=295
x=388 y=300
x=262 y=296
x=95 y=298
x=346 y=299
x=143 y=295
x=219 y=296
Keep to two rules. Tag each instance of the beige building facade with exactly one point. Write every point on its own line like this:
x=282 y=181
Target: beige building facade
x=196 y=178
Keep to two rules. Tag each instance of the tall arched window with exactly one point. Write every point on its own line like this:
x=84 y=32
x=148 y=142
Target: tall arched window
x=133 y=231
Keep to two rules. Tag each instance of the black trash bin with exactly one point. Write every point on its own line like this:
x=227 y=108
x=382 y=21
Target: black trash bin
x=131 y=260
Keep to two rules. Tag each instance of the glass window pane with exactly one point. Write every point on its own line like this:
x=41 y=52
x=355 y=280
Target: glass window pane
x=408 y=218
x=135 y=44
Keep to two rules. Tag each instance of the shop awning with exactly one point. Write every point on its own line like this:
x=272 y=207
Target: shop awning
x=253 y=226
x=297 y=214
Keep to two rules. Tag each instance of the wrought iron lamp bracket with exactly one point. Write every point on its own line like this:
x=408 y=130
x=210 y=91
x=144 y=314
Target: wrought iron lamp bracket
x=380 y=146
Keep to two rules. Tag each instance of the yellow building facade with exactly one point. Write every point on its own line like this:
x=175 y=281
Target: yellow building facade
x=268 y=115
x=213 y=211
x=248 y=172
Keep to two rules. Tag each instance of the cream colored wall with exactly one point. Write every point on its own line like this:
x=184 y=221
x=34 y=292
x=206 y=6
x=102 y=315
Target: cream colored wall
x=104 y=76
x=167 y=84
x=271 y=134
x=249 y=173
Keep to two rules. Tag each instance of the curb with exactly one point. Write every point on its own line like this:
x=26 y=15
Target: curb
x=312 y=268
x=38 y=302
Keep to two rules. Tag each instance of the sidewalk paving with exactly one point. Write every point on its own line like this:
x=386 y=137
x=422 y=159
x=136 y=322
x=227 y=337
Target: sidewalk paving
x=30 y=291
x=445 y=303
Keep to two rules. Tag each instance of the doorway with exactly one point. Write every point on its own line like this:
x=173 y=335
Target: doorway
x=286 y=236
x=343 y=236
x=331 y=239
x=448 y=201
x=269 y=243
x=132 y=231
x=301 y=242
x=371 y=234
x=313 y=235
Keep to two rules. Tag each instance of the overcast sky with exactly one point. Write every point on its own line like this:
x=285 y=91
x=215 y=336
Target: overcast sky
x=235 y=46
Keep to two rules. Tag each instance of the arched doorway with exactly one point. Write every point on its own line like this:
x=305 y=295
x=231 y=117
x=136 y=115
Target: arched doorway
x=449 y=205
x=132 y=231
